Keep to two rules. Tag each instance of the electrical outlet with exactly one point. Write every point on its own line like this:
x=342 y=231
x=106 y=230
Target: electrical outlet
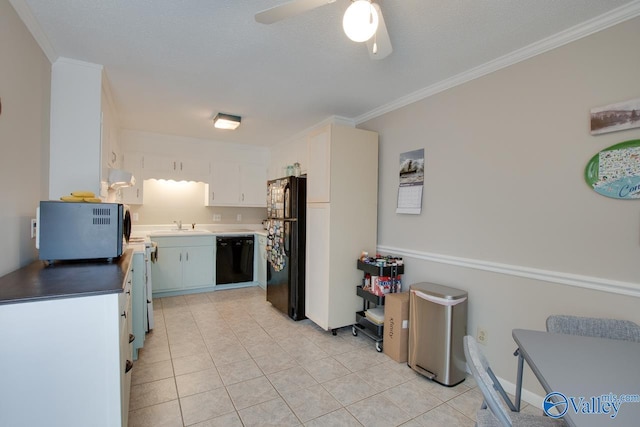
x=136 y=217
x=239 y=217
x=217 y=217
x=482 y=336
x=34 y=228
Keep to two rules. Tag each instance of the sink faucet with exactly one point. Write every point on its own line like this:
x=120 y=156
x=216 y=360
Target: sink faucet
x=179 y=224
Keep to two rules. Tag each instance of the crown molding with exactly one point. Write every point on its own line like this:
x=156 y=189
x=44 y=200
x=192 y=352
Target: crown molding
x=599 y=23
x=24 y=12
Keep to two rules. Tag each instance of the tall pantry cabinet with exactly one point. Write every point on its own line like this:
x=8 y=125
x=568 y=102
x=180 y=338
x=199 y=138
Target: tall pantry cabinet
x=342 y=216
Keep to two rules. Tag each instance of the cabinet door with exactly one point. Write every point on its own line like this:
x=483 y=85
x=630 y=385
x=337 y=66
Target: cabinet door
x=319 y=166
x=253 y=185
x=166 y=273
x=160 y=166
x=224 y=187
x=133 y=195
x=198 y=264
x=317 y=273
x=133 y=162
x=193 y=169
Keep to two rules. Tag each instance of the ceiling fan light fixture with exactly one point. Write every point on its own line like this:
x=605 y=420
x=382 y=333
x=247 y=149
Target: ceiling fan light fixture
x=360 y=21
x=226 y=121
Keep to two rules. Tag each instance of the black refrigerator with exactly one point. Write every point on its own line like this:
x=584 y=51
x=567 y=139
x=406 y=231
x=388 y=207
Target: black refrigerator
x=286 y=214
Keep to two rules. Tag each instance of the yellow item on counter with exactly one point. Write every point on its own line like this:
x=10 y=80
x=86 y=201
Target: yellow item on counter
x=92 y=200
x=72 y=199
x=83 y=194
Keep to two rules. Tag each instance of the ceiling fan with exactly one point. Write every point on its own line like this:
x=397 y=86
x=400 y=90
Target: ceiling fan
x=362 y=22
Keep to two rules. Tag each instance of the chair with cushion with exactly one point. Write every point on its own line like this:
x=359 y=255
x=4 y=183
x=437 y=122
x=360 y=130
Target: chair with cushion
x=498 y=412
x=594 y=327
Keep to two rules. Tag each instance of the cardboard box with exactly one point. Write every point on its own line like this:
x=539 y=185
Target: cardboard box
x=396 y=326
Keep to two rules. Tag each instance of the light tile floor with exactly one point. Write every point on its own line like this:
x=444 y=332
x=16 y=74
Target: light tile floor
x=228 y=358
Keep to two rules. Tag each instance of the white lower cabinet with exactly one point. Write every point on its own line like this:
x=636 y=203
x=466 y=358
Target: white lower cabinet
x=183 y=263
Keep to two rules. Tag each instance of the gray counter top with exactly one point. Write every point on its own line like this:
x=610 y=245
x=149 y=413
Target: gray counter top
x=38 y=282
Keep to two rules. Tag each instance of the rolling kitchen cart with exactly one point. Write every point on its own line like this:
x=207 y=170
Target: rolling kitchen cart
x=369 y=300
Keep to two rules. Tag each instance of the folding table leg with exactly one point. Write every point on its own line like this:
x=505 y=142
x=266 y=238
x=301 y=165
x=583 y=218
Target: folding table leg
x=519 y=379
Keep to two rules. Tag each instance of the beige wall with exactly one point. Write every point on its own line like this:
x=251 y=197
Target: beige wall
x=506 y=213
x=25 y=81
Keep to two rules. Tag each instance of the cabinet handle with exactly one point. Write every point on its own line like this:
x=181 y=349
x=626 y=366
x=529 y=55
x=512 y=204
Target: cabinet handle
x=180 y=165
x=132 y=338
x=137 y=193
x=174 y=165
x=243 y=197
x=187 y=256
x=128 y=366
x=124 y=314
x=213 y=195
x=180 y=256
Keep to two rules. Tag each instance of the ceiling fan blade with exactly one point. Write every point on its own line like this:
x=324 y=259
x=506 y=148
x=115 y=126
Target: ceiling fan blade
x=286 y=10
x=379 y=45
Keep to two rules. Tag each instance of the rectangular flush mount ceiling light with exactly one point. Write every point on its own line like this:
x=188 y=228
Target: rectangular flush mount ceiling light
x=226 y=121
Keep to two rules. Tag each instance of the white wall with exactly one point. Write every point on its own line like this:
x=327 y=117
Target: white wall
x=25 y=76
x=506 y=213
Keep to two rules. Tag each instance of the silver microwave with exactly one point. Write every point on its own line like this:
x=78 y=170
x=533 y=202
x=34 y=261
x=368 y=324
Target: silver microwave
x=75 y=231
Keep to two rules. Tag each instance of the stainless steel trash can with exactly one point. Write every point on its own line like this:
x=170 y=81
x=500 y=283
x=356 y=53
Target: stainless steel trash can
x=437 y=326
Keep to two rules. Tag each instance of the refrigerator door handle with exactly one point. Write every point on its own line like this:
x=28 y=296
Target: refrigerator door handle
x=287 y=238
x=286 y=200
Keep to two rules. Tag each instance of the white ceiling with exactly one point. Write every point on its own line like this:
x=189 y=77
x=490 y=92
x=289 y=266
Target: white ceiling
x=173 y=64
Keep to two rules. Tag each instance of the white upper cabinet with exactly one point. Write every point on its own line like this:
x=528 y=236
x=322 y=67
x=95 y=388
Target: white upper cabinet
x=237 y=184
x=319 y=166
x=224 y=184
x=133 y=162
x=253 y=185
x=178 y=168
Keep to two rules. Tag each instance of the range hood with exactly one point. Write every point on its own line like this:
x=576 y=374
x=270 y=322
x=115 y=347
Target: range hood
x=119 y=178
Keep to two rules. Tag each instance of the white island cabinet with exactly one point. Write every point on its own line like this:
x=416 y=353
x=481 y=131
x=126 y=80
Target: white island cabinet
x=66 y=361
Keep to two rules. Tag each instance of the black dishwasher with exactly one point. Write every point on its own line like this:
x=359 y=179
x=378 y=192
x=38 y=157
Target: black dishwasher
x=234 y=259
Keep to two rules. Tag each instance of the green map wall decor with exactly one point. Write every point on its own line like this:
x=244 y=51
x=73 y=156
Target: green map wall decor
x=615 y=171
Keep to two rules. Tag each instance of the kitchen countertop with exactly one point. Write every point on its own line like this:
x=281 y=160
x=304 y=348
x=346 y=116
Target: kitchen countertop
x=158 y=231
x=38 y=282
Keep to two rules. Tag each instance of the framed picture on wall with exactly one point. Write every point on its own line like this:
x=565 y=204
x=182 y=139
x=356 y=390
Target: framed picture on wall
x=411 y=182
x=614 y=117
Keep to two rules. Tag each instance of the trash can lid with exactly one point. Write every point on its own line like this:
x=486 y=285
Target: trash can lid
x=439 y=291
